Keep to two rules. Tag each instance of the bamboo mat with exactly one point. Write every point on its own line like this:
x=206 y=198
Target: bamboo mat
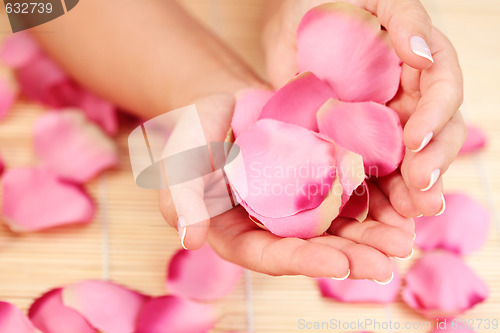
x=129 y=242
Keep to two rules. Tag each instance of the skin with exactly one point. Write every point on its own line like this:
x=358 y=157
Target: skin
x=181 y=63
x=428 y=99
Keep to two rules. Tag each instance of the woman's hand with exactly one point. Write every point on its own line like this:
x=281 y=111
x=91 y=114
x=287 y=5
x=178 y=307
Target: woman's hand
x=427 y=102
x=349 y=247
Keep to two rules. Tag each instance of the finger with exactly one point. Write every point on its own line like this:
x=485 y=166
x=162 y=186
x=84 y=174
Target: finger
x=430 y=202
x=428 y=165
x=381 y=210
x=395 y=188
x=238 y=240
x=442 y=95
x=409 y=28
x=365 y=262
x=387 y=239
x=188 y=215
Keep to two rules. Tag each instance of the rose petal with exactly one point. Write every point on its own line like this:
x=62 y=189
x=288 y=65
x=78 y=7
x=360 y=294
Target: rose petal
x=7 y=98
x=38 y=79
x=49 y=315
x=100 y=111
x=357 y=205
x=71 y=147
x=351 y=171
x=476 y=140
x=2 y=166
x=298 y=101
x=462 y=228
x=173 y=314
x=202 y=274
x=369 y=129
x=440 y=285
x=35 y=199
x=360 y=291
x=284 y=177
x=344 y=45
x=108 y=307
x=13 y=320
x=19 y=50
x=248 y=107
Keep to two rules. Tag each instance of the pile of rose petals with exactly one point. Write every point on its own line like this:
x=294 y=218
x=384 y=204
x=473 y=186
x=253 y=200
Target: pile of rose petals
x=42 y=80
x=94 y=306
x=307 y=146
x=72 y=144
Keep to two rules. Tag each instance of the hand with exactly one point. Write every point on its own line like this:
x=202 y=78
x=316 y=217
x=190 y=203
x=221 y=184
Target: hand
x=361 y=248
x=427 y=102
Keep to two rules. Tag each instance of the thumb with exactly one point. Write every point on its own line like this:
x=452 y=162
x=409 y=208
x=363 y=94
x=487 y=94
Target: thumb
x=409 y=28
x=183 y=207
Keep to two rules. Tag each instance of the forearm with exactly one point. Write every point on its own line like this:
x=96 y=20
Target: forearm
x=148 y=57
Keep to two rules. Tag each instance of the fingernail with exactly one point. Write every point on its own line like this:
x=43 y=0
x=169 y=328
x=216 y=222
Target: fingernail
x=182 y=230
x=424 y=143
x=442 y=207
x=420 y=48
x=343 y=278
x=414 y=236
x=420 y=215
x=434 y=177
x=407 y=257
x=383 y=283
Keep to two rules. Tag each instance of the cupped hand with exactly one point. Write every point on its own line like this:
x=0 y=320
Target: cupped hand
x=427 y=102
x=349 y=248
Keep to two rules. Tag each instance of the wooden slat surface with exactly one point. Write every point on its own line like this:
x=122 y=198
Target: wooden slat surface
x=129 y=243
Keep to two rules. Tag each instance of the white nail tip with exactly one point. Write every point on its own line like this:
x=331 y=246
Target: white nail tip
x=343 y=278
x=383 y=283
x=182 y=229
x=434 y=177
x=420 y=48
x=424 y=143
x=408 y=257
x=443 y=207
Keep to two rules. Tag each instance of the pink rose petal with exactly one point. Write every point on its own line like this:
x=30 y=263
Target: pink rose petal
x=369 y=129
x=202 y=274
x=49 y=315
x=462 y=228
x=71 y=147
x=476 y=140
x=19 y=50
x=441 y=285
x=360 y=291
x=351 y=171
x=298 y=101
x=248 y=108
x=7 y=98
x=100 y=111
x=13 y=320
x=285 y=177
x=108 y=307
x=357 y=205
x=344 y=45
x=173 y=314
x=38 y=80
x=35 y=199
x=2 y=166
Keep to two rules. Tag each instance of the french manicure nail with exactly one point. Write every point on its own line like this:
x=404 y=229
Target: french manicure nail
x=414 y=236
x=424 y=143
x=420 y=48
x=343 y=278
x=383 y=283
x=407 y=257
x=443 y=207
x=182 y=230
x=434 y=177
